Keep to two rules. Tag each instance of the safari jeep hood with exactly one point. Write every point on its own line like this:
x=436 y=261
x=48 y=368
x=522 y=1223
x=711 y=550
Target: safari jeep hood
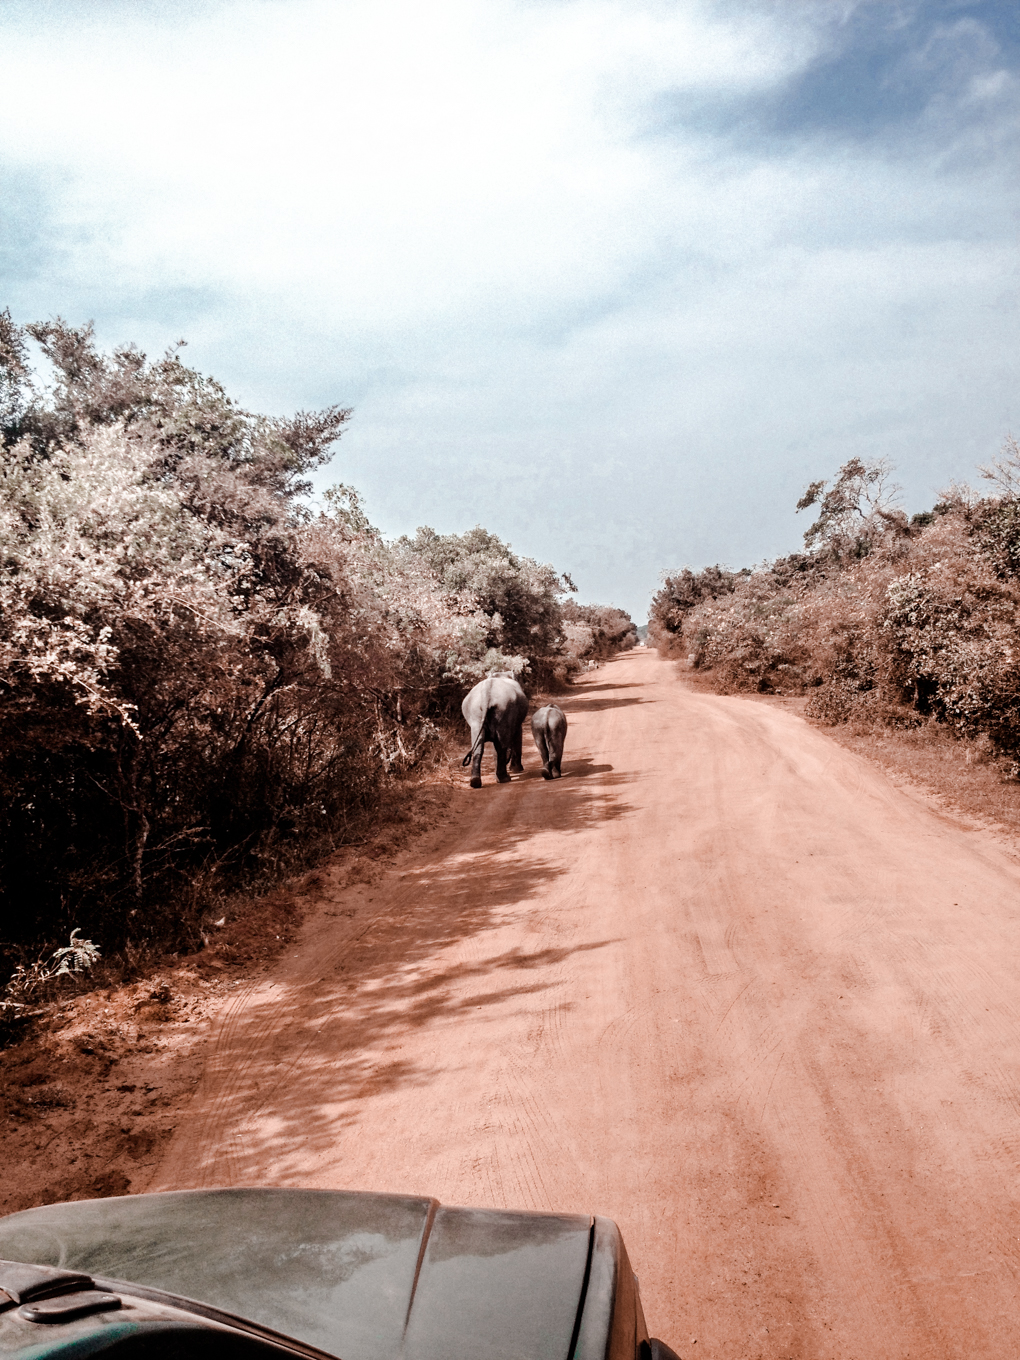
x=362 y=1276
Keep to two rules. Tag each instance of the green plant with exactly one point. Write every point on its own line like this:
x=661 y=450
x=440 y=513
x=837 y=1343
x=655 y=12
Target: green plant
x=27 y=985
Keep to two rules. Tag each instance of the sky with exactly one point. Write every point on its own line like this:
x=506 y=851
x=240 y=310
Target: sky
x=614 y=279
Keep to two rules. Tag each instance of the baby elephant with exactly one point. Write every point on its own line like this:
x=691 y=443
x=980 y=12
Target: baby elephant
x=549 y=728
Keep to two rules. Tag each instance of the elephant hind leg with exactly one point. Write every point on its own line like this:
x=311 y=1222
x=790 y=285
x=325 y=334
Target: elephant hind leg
x=501 y=755
x=515 y=753
x=543 y=750
x=476 y=766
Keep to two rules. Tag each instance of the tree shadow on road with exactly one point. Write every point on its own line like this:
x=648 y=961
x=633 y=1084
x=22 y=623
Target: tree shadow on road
x=599 y=705
x=409 y=957
x=298 y=1064
x=593 y=689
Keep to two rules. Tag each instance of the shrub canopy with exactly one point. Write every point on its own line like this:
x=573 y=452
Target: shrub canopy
x=203 y=680
x=884 y=619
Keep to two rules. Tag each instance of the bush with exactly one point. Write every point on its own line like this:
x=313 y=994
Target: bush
x=510 y=605
x=595 y=632
x=186 y=694
x=204 y=682
x=884 y=621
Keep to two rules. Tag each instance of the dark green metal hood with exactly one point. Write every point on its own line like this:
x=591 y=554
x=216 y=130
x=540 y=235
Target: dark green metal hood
x=362 y=1276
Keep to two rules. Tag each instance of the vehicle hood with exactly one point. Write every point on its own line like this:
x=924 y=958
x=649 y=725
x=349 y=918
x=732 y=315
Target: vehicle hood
x=363 y=1276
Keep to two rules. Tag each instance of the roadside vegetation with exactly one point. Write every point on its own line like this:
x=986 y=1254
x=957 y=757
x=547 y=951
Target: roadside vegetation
x=206 y=682
x=884 y=621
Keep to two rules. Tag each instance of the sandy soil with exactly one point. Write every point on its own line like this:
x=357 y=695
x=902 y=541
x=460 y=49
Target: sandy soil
x=90 y=1092
x=723 y=982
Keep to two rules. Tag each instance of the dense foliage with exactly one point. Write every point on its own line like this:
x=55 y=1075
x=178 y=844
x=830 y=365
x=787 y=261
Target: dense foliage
x=514 y=603
x=202 y=680
x=597 y=631
x=883 y=619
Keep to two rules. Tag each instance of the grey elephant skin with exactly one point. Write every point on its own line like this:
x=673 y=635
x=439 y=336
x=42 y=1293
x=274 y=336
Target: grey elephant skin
x=549 y=728
x=495 y=711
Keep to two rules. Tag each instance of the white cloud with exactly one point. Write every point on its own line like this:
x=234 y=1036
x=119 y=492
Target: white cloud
x=460 y=213
x=372 y=157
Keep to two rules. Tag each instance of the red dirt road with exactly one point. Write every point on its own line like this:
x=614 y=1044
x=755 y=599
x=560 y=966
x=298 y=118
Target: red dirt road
x=722 y=982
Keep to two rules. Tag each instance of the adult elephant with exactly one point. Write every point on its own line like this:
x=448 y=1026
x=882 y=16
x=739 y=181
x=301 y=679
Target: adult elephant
x=495 y=711
x=549 y=728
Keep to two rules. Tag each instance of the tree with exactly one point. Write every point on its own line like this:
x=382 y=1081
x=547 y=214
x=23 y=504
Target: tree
x=682 y=591
x=609 y=629
x=514 y=601
x=181 y=684
x=1004 y=471
x=857 y=508
x=203 y=681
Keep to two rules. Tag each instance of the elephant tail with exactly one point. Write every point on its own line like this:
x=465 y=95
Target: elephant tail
x=484 y=735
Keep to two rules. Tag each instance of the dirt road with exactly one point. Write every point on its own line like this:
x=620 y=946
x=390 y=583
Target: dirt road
x=722 y=982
